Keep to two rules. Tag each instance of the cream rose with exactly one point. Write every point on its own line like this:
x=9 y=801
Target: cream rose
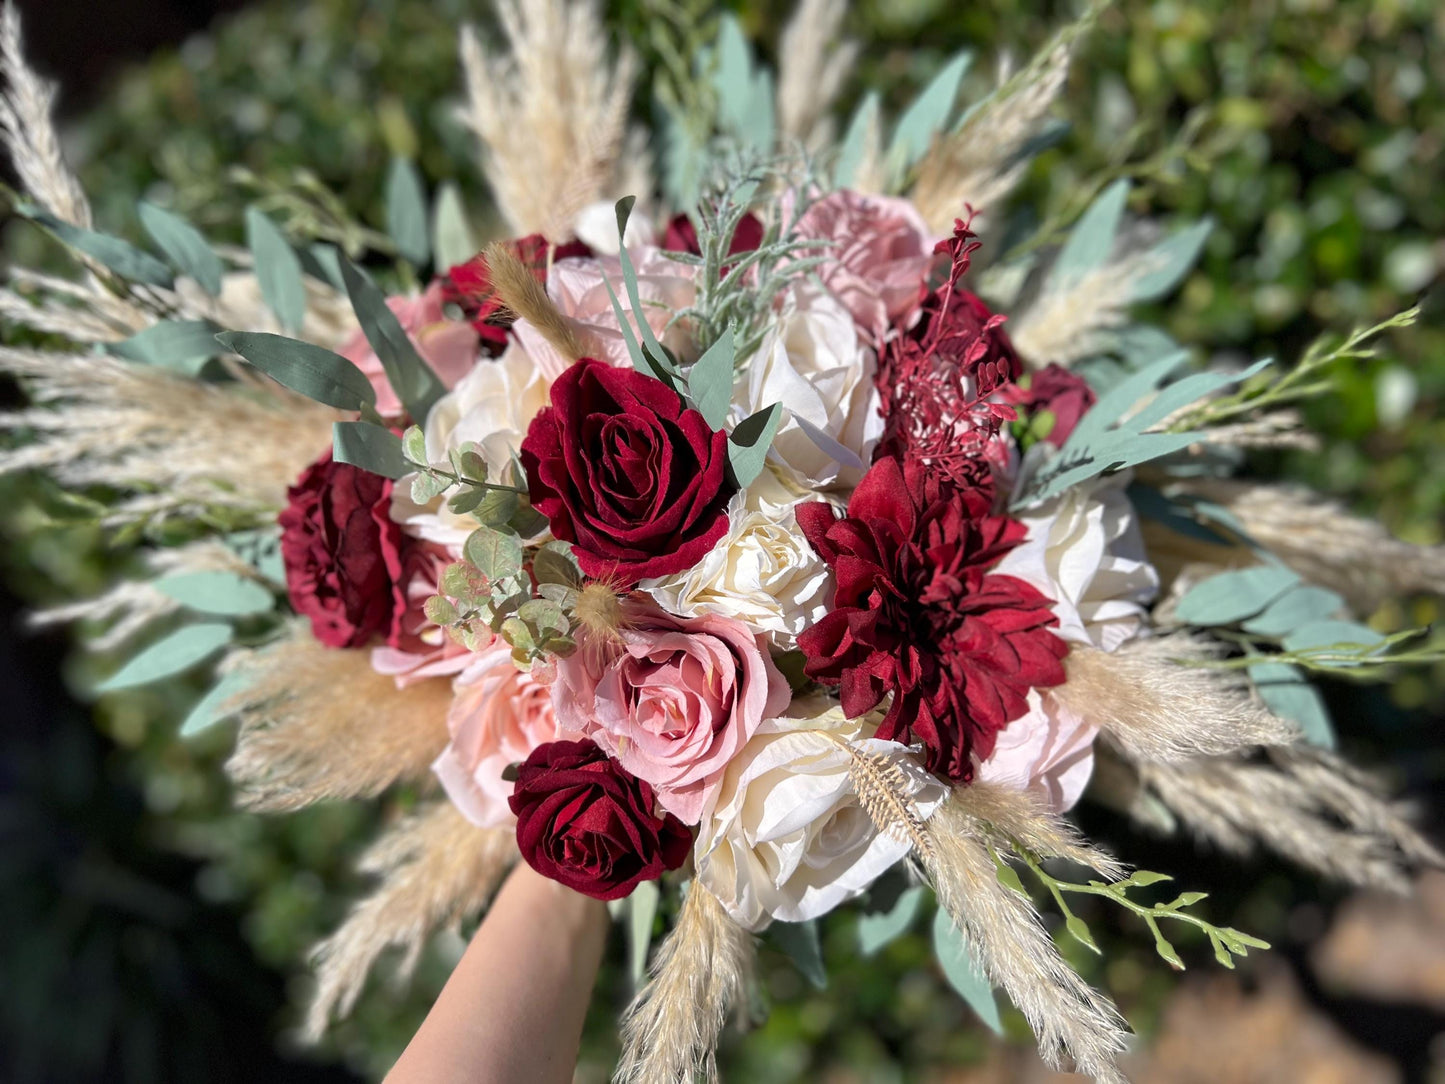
x=813 y=362
x=783 y=836
x=763 y=572
x=1048 y=752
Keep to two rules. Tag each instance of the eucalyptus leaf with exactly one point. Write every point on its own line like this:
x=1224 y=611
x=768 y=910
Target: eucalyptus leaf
x=963 y=973
x=406 y=211
x=218 y=705
x=495 y=554
x=883 y=927
x=1289 y=694
x=866 y=120
x=278 y=270
x=1091 y=241
x=261 y=549
x=799 y=942
x=327 y=259
x=180 y=345
x=641 y=914
x=1169 y=261
x=555 y=563
x=452 y=238
x=311 y=370
x=172 y=654
x=1303 y=605
x=1235 y=595
x=710 y=380
x=1329 y=633
x=369 y=447
x=749 y=442
x=189 y=252
x=930 y=112
x=733 y=74
x=413 y=380
x=217 y=592
x=122 y=257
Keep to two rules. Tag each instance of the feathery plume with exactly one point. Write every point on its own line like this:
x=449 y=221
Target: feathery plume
x=670 y=1031
x=518 y=289
x=29 y=132
x=1004 y=934
x=1014 y=816
x=551 y=115
x=437 y=870
x=1156 y=707
x=812 y=65
x=319 y=724
x=1065 y=326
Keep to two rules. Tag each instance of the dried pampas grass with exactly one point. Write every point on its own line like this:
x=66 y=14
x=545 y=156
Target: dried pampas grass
x=812 y=65
x=518 y=289
x=551 y=115
x=436 y=870
x=319 y=724
x=1065 y=326
x=1155 y=706
x=671 y=1029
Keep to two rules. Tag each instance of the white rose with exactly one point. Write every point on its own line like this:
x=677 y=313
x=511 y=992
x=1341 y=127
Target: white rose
x=1048 y=752
x=783 y=836
x=492 y=405
x=813 y=362
x=1084 y=551
x=763 y=572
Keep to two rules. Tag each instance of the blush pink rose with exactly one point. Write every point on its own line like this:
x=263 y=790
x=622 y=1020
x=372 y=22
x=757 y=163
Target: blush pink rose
x=675 y=702
x=663 y=285
x=415 y=648
x=450 y=347
x=499 y=716
x=879 y=258
x=1047 y=752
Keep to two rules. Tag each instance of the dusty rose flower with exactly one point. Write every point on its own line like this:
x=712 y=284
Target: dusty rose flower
x=415 y=648
x=450 y=347
x=499 y=716
x=674 y=702
x=1048 y=752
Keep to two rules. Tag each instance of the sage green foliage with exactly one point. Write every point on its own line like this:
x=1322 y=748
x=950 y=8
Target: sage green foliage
x=1308 y=133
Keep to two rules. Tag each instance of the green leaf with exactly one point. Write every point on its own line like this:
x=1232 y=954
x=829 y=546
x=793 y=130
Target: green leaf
x=223 y=593
x=655 y=354
x=327 y=259
x=218 y=705
x=169 y=655
x=930 y=112
x=1322 y=634
x=1079 y=930
x=641 y=914
x=189 y=252
x=452 y=239
x=1233 y=596
x=311 y=370
x=440 y=611
x=413 y=444
x=1170 y=261
x=495 y=554
x=406 y=212
x=122 y=257
x=1302 y=605
x=710 y=380
x=1143 y=878
x=1092 y=239
x=369 y=447
x=1009 y=878
x=555 y=563
x=883 y=927
x=180 y=345
x=1167 y=951
x=799 y=942
x=749 y=442
x=261 y=549
x=410 y=377
x=866 y=119
x=1186 y=899
x=497 y=507
x=277 y=270
x=962 y=972
x=1289 y=694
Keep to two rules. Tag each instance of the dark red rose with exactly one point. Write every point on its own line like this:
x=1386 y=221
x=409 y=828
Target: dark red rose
x=343 y=554
x=469 y=286
x=1056 y=390
x=917 y=615
x=583 y=821
x=681 y=235
x=938 y=375
x=621 y=469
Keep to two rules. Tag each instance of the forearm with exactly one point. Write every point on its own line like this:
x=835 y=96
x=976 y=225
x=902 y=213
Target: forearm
x=512 y=1010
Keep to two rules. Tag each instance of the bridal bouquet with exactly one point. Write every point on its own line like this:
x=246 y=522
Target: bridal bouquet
x=731 y=542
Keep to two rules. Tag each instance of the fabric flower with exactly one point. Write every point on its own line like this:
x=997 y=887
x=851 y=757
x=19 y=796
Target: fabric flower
x=763 y=572
x=918 y=615
x=416 y=648
x=784 y=836
x=584 y=822
x=1064 y=395
x=674 y=700
x=664 y=286
x=469 y=286
x=1084 y=550
x=621 y=469
x=878 y=262
x=448 y=346
x=499 y=716
x=813 y=362
x=1047 y=752
x=342 y=553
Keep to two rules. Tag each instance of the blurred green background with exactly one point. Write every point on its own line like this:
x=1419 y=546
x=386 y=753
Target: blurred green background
x=153 y=934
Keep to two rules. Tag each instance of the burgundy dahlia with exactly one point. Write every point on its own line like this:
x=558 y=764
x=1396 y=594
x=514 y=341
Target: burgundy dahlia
x=469 y=286
x=918 y=616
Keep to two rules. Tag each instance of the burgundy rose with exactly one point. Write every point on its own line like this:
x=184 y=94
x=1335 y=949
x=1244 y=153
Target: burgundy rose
x=584 y=822
x=621 y=469
x=681 y=235
x=469 y=286
x=917 y=615
x=1059 y=392
x=343 y=554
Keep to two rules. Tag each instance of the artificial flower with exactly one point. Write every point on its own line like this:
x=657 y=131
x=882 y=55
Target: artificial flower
x=1065 y=396
x=1047 y=752
x=415 y=647
x=469 y=286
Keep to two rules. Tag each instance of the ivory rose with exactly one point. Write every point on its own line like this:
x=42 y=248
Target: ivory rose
x=448 y=346
x=813 y=362
x=500 y=714
x=673 y=702
x=1048 y=752
x=783 y=836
